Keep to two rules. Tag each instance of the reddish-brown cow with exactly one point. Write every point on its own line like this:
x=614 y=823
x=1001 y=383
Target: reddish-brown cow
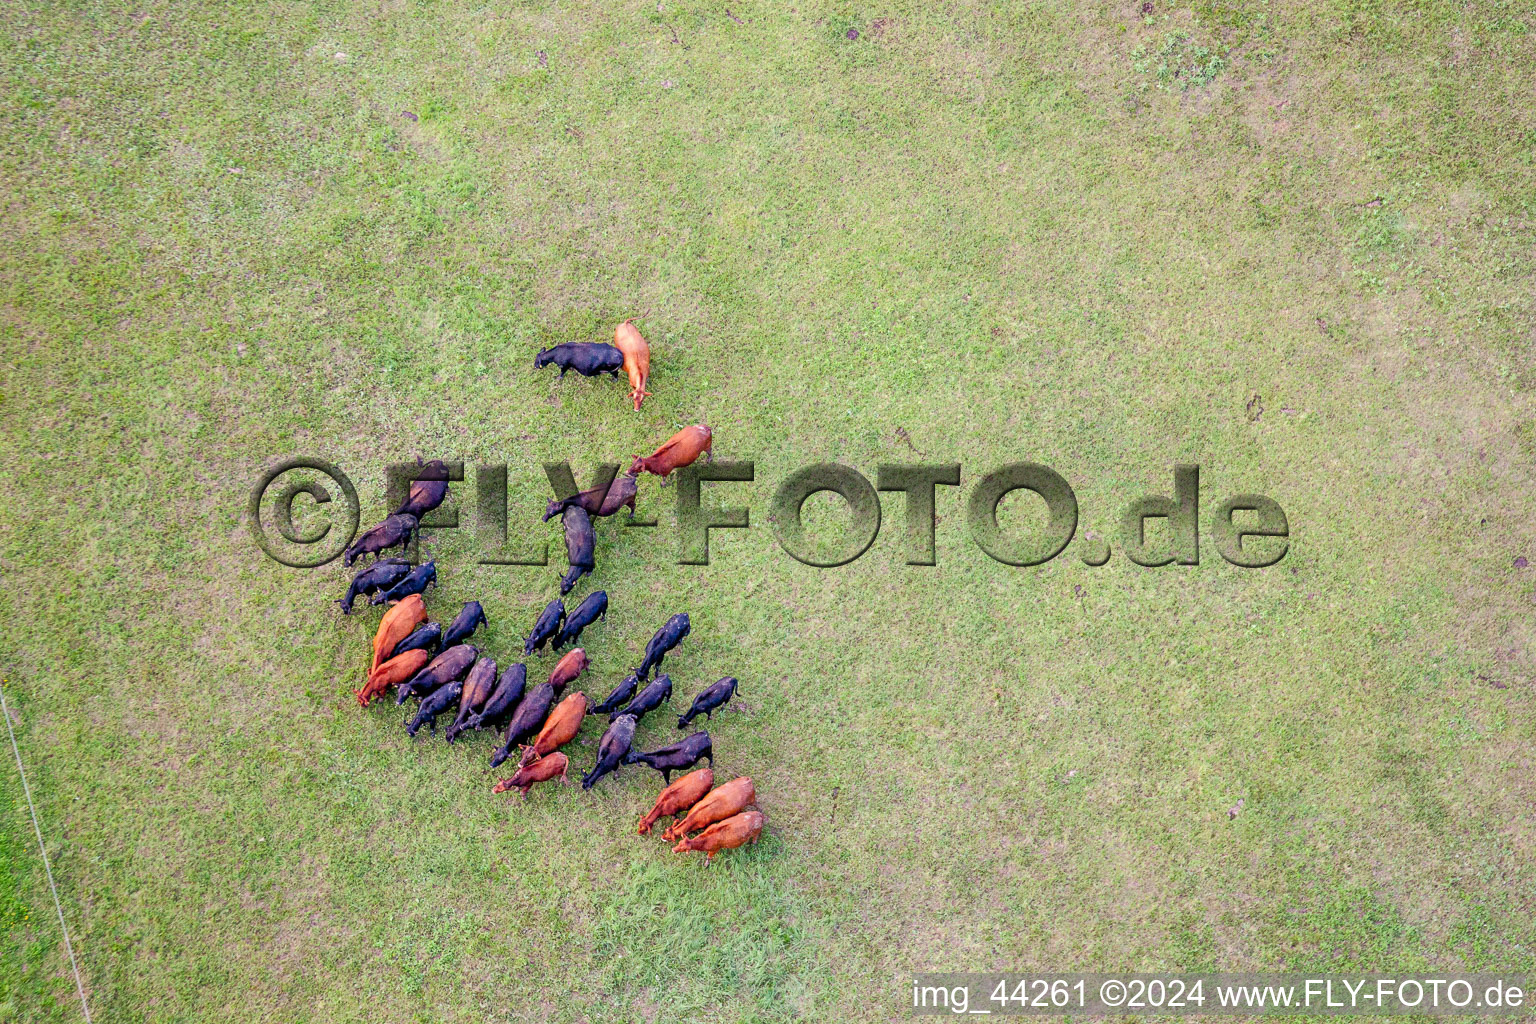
x=721 y=803
x=396 y=625
x=568 y=668
x=525 y=778
x=678 y=797
x=392 y=673
x=734 y=831
x=637 y=359
x=682 y=449
x=559 y=729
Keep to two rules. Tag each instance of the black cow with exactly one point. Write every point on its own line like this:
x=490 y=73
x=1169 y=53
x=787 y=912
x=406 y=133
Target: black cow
x=676 y=756
x=650 y=698
x=546 y=628
x=416 y=582
x=381 y=575
x=580 y=543
x=666 y=638
x=589 y=611
x=621 y=695
x=440 y=700
x=588 y=358
x=706 y=702
x=428 y=490
x=427 y=638
x=612 y=749
x=503 y=700
x=470 y=618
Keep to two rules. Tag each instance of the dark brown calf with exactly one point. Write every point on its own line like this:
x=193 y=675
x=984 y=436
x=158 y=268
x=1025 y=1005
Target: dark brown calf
x=394 y=531
x=449 y=667
x=599 y=501
x=427 y=491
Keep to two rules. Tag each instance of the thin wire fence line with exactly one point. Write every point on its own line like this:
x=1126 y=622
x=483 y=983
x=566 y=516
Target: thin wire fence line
x=26 y=789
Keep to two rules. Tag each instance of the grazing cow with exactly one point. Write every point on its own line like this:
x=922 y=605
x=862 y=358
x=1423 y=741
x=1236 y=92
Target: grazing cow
x=428 y=490
x=588 y=358
x=562 y=726
x=722 y=802
x=649 y=699
x=434 y=704
x=600 y=501
x=395 y=626
x=637 y=359
x=706 y=702
x=470 y=618
x=545 y=768
x=611 y=749
x=477 y=689
x=381 y=575
x=737 y=830
x=393 y=672
x=567 y=669
x=589 y=611
x=620 y=696
x=682 y=449
x=546 y=628
x=676 y=756
x=415 y=582
x=395 y=531
x=666 y=638
x=526 y=720
x=427 y=638
x=503 y=701
x=678 y=797
x=450 y=666
x=579 y=544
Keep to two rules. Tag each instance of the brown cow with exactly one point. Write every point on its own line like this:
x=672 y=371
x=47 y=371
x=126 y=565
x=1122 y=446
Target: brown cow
x=721 y=803
x=568 y=668
x=396 y=625
x=542 y=770
x=427 y=491
x=737 y=830
x=678 y=797
x=392 y=673
x=559 y=729
x=477 y=690
x=682 y=449
x=637 y=359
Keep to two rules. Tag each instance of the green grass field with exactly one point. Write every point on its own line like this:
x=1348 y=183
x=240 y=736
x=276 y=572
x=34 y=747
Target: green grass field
x=1291 y=243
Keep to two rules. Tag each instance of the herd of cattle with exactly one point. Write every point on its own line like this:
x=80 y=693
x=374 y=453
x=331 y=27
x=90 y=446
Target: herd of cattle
x=447 y=675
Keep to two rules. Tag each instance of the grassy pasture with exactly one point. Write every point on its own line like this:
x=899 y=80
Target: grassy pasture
x=1292 y=243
